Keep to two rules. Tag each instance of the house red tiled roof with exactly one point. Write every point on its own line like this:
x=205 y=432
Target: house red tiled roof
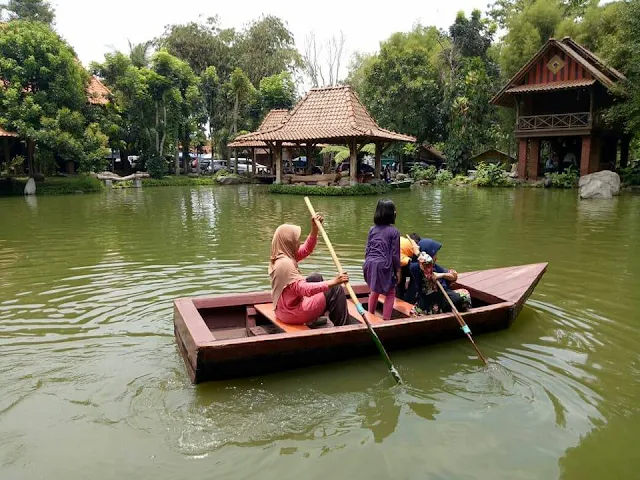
x=330 y=114
x=97 y=93
x=595 y=71
x=5 y=133
x=542 y=87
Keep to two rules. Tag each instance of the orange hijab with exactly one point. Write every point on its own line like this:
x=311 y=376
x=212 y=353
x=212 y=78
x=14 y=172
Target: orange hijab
x=283 y=267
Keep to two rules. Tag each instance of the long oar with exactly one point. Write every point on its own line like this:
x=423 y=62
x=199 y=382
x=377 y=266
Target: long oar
x=360 y=308
x=463 y=324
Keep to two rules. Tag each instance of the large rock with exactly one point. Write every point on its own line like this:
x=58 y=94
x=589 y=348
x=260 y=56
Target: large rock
x=30 y=187
x=229 y=180
x=323 y=184
x=604 y=184
x=344 y=182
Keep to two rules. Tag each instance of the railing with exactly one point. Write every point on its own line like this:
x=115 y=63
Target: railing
x=555 y=121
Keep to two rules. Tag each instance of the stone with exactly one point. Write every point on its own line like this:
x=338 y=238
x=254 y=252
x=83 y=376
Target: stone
x=604 y=177
x=30 y=187
x=333 y=184
x=229 y=180
x=424 y=183
x=514 y=170
x=137 y=183
x=401 y=176
x=344 y=182
x=108 y=183
x=323 y=184
x=547 y=182
x=596 y=188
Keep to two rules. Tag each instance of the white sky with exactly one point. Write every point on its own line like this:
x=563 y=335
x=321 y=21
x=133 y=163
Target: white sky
x=93 y=28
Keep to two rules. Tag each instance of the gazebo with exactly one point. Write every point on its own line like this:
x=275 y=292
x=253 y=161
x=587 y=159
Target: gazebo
x=6 y=138
x=330 y=115
x=559 y=96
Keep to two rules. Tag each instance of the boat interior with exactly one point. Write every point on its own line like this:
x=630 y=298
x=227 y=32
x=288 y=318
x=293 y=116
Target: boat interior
x=251 y=319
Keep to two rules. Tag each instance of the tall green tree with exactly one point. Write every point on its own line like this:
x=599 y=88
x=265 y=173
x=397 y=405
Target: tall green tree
x=43 y=94
x=212 y=98
x=277 y=91
x=201 y=45
x=265 y=48
x=624 y=53
x=30 y=10
x=401 y=86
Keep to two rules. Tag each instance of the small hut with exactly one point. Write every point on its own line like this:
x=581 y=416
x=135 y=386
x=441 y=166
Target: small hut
x=330 y=115
x=493 y=156
x=559 y=97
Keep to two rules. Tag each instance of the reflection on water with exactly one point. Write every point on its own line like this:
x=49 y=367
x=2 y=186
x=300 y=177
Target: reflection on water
x=92 y=382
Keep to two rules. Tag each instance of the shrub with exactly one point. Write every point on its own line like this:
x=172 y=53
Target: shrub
x=567 y=179
x=156 y=166
x=418 y=172
x=53 y=185
x=460 y=180
x=177 y=181
x=490 y=175
x=631 y=174
x=360 y=189
x=443 y=177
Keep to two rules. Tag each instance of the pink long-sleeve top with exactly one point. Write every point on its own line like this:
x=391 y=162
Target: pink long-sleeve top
x=302 y=301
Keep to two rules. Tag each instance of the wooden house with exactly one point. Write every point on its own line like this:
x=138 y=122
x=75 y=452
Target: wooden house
x=559 y=97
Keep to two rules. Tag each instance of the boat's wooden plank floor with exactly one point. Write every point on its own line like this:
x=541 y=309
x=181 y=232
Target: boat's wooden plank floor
x=510 y=284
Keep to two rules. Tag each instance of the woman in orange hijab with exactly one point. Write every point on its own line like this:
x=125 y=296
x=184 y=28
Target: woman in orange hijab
x=298 y=300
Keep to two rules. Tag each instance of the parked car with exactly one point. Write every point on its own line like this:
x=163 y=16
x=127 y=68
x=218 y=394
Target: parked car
x=246 y=165
x=217 y=165
x=362 y=167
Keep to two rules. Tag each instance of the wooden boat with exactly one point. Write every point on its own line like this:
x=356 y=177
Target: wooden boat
x=401 y=184
x=235 y=335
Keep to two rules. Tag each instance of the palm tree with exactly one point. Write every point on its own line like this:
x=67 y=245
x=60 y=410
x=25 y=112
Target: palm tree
x=139 y=53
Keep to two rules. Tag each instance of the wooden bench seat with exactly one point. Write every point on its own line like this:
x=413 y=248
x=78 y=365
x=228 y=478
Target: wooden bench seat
x=353 y=312
x=266 y=309
x=399 y=305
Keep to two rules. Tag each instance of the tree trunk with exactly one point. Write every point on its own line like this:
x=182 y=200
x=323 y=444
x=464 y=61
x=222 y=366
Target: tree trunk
x=186 y=159
x=176 y=159
x=235 y=115
x=235 y=166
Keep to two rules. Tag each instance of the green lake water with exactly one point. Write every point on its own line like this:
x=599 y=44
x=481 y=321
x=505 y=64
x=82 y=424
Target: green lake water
x=92 y=385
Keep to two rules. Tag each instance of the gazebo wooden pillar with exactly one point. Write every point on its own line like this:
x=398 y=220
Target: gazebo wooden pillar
x=278 y=152
x=353 y=161
x=378 y=161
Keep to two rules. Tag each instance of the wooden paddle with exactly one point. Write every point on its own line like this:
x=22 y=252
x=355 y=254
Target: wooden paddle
x=360 y=308
x=463 y=324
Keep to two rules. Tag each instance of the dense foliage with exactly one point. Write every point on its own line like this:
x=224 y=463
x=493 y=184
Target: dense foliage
x=200 y=84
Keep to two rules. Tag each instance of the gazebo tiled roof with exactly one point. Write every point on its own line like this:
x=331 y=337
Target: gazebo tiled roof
x=273 y=119
x=328 y=115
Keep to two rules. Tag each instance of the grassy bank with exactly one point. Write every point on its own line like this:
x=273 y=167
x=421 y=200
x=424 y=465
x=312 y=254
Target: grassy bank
x=360 y=189
x=52 y=185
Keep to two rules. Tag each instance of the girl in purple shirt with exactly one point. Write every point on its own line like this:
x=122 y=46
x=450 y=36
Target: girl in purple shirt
x=382 y=258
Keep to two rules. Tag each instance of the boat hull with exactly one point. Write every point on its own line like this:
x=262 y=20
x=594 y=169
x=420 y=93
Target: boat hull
x=224 y=336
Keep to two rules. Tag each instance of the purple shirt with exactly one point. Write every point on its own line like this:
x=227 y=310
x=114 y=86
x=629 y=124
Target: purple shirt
x=382 y=258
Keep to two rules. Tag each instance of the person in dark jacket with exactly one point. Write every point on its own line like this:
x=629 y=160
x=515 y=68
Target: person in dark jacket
x=428 y=297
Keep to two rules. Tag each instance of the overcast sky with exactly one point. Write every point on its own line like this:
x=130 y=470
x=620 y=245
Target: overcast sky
x=93 y=28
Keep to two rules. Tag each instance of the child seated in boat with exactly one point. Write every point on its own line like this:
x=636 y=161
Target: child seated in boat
x=426 y=272
x=409 y=251
x=298 y=300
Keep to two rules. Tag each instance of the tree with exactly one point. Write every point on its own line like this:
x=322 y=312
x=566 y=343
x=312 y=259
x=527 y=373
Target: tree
x=470 y=113
x=44 y=94
x=201 y=45
x=277 y=91
x=210 y=85
x=401 y=86
x=323 y=70
x=139 y=53
x=266 y=47
x=30 y=10
x=240 y=89
x=625 y=54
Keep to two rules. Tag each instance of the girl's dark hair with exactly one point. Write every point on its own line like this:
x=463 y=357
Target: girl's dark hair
x=415 y=237
x=385 y=213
